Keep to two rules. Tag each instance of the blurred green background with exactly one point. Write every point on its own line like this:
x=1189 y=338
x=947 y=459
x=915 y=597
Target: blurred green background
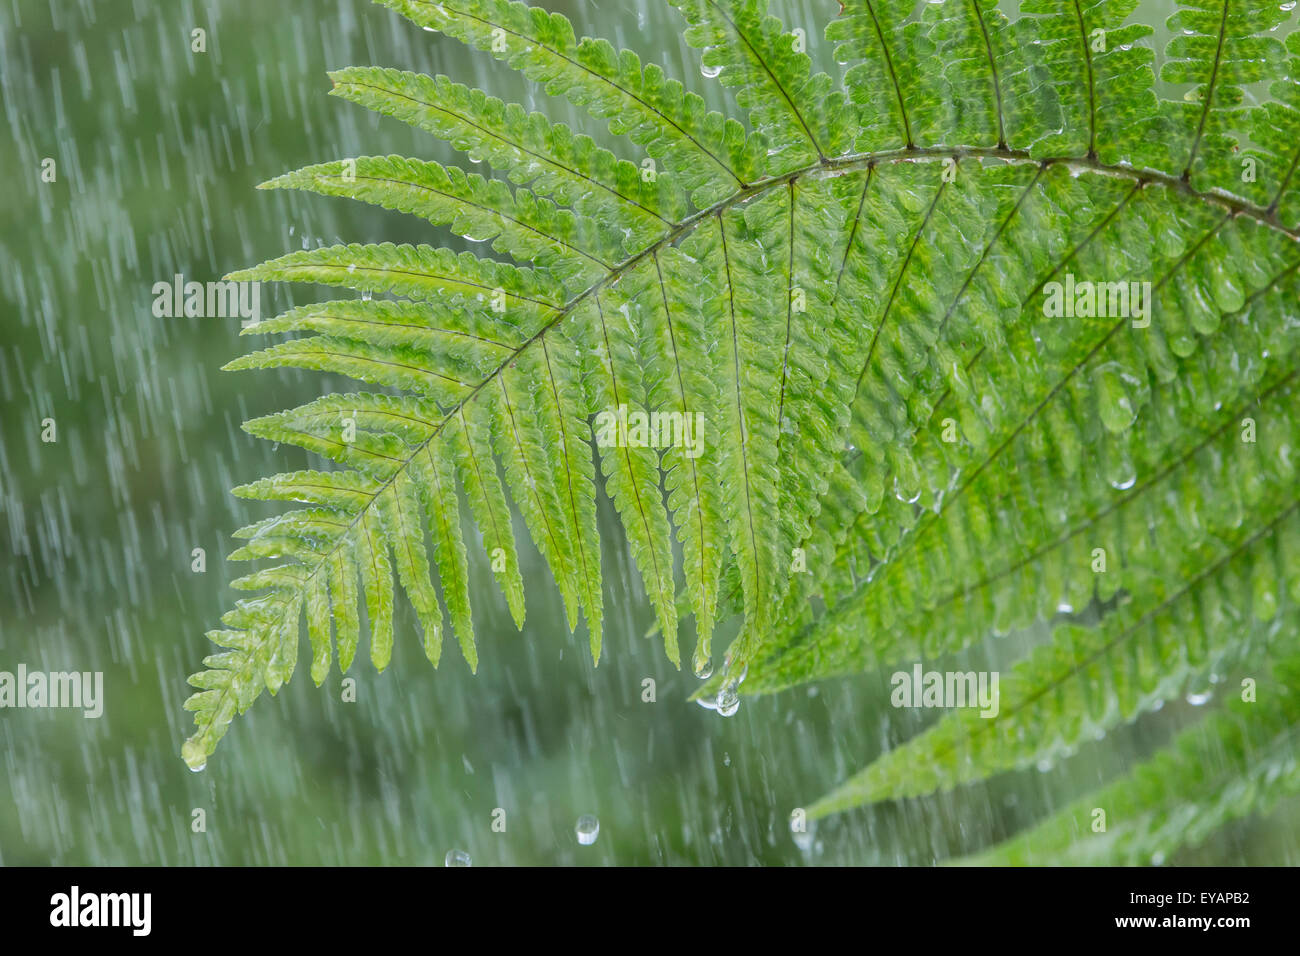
x=158 y=149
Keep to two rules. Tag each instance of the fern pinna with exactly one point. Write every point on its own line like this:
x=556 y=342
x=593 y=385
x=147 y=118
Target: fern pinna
x=908 y=447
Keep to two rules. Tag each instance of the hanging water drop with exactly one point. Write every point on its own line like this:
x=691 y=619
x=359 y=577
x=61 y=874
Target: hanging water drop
x=703 y=668
x=457 y=858
x=587 y=829
x=194 y=756
x=1199 y=699
x=710 y=71
x=728 y=700
x=1120 y=472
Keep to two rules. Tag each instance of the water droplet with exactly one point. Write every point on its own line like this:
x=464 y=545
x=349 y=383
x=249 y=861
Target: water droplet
x=1197 y=700
x=1120 y=472
x=710 y=71
x=457 y=858
x=728 y=700
x=905 y=495
x=587 y=828
x=726 y=759
x=194 y=756
x=703 y=668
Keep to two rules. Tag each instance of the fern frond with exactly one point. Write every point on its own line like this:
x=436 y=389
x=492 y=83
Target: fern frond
x=1268 y=171
x=522 y=226
x=1165 y=637
x=1219 y=46
x=1241 y=760
x=707 y=153
x=549 y=158
x=798 y=115
x=1058 y=420
x=903 y=447
x=1103 y=80
x=420 y=272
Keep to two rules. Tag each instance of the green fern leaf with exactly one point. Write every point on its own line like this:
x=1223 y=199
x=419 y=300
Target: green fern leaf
x=915 y=431
x=1241 y=760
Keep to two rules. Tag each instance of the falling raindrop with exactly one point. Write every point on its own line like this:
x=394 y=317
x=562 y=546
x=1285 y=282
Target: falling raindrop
x=457 y=858
x=587 y=829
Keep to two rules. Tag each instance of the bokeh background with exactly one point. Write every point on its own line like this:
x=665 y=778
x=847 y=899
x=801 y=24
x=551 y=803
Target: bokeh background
x=158 y=149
